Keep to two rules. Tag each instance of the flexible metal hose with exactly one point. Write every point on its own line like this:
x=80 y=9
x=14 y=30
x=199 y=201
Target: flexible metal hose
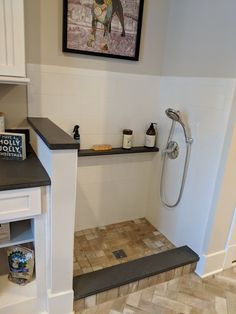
x=186 y=162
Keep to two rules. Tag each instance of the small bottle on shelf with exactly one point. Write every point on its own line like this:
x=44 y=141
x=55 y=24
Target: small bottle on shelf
x=127 y=138
x=5 y=232
x=76 y=134
x=2 y=122
x=150 y=138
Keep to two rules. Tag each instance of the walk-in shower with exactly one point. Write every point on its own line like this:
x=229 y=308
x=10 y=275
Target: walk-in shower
x=172 y=151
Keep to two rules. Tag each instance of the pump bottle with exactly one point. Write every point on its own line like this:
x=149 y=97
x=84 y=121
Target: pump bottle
x=76 y=135
x=150 y=138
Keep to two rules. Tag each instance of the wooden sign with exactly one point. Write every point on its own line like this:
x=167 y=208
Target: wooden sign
x=12 y=146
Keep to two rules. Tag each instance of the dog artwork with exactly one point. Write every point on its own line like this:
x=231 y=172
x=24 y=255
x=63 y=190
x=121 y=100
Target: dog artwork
x=104 y=28
x=103 y=12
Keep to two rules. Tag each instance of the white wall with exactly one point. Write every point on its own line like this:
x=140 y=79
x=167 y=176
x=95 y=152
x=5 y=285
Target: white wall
x=197 y=40
x=206 y=104
x=55 y=229
x=200 y=39
x=200 y=43
x=44 y=39
x=13 y=103
x=116 y=188
x=43 y=26
x=230 y=248
x=112 y=188
x=220 y=243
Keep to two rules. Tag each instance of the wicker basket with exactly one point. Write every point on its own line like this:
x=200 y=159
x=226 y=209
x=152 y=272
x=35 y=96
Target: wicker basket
x=5 y=232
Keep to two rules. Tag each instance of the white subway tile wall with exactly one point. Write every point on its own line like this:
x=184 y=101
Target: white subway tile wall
x=118 y=188
x=110 y=189
x=102 y=103
x=206 y=104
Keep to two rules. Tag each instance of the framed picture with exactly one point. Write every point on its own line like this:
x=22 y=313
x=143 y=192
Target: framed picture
x=109 y=28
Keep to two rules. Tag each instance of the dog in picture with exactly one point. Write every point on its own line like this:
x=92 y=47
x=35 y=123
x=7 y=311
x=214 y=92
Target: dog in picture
x=103 y=12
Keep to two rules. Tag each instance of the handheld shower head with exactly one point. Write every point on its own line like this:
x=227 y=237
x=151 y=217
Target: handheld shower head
x=175 y=116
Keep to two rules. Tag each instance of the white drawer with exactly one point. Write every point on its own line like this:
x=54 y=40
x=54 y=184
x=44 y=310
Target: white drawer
x=17 y=204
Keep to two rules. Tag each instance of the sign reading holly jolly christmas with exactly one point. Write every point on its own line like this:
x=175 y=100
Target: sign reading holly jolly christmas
x=12 y=146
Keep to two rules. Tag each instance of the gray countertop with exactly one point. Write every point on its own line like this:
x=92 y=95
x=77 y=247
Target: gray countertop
x=28 y=173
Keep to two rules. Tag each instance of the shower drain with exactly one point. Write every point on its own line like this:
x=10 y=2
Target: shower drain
x=119 y=254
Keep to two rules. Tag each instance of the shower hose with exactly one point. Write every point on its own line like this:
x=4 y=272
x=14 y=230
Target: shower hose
x=185 y=169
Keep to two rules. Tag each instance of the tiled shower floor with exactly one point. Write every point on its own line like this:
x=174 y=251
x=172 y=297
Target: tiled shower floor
x=94 y=247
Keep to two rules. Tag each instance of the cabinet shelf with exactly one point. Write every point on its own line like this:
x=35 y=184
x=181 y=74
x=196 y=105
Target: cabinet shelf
x=21 y=233
x=117 y=151
x=14 y=80
x=11 y=293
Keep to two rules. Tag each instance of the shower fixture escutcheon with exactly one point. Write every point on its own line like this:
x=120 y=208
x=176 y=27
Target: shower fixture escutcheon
x=172 y=151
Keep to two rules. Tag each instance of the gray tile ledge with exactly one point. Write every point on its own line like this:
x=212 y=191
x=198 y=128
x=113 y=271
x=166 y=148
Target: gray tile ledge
x=52 y=135
x=117 y=151
x=112 y=277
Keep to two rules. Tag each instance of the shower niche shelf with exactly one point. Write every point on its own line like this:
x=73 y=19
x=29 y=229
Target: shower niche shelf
x=117 y=151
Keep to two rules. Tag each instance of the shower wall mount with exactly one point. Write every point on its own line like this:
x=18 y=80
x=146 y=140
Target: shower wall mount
x=172 y=152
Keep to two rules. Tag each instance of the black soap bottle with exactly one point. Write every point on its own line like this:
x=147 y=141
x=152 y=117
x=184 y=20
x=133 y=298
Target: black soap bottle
x=76 y=135
x=150 y=138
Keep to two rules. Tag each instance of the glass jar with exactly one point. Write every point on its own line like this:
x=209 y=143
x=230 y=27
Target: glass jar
x=127 y=138
x=2 y=122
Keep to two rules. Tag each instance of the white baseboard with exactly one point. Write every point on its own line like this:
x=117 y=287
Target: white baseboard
x=29 y=306
x=211 y=264
x=48 y=313
x=230 y=256
x=60 y=303
x=212 y=273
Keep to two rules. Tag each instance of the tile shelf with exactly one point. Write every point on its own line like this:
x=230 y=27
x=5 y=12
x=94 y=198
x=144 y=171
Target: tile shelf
x=116 y=151
x=132 y=271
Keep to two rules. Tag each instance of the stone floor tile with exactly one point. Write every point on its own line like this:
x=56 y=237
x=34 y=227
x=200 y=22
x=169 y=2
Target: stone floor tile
x=138 y=238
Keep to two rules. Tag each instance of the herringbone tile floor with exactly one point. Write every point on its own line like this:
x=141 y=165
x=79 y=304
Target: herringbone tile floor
x=188 y=294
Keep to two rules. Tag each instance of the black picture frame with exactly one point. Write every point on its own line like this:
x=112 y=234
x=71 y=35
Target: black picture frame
x=129 y=45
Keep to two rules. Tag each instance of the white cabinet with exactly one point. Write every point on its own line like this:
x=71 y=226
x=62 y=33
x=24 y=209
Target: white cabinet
x=22 y=208
x=19 y=204
x=15 y=298
x=12 y=42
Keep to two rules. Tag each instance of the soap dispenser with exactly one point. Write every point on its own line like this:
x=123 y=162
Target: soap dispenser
x=76 y=135
x=150 y=138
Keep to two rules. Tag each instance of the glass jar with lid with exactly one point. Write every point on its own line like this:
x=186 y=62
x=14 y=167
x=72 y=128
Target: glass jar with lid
x=127 y=138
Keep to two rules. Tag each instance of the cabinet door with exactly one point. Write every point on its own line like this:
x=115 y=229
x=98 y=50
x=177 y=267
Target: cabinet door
x=19 y=204
x=12 y=41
